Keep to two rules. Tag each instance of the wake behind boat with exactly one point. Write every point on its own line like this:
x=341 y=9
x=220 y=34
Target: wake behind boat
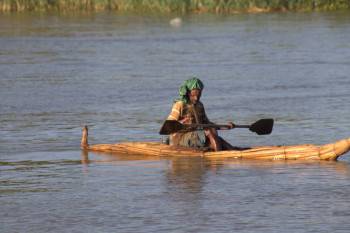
x=330 y=151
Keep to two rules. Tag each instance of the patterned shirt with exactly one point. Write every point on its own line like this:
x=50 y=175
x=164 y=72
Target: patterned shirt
x=195 y=113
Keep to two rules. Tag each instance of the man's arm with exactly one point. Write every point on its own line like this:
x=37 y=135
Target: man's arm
x=175 y=112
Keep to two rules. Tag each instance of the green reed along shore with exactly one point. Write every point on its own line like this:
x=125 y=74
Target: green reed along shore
x=184 y=6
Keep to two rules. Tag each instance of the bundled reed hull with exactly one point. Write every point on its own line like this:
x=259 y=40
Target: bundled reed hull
x=301 y=152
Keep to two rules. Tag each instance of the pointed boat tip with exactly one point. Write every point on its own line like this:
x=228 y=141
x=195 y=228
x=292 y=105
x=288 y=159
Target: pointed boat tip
x=84 y=138
x=341 y=147
x=348 y=142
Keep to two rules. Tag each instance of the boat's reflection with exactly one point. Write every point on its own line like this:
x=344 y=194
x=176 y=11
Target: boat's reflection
x=195 y=166
x=186 y=181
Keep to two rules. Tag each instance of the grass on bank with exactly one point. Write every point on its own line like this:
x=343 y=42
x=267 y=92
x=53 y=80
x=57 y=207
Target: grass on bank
x=184 y=6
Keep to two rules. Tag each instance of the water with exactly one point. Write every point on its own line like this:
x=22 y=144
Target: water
x=120 y=73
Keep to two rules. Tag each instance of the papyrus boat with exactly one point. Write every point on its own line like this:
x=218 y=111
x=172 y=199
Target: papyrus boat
x=296 y=152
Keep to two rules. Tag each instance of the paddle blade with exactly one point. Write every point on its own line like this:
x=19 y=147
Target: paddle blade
x=170 y=127
x=262 y=127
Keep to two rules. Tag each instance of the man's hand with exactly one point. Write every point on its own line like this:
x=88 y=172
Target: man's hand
x=230 y=125
x=186 y=120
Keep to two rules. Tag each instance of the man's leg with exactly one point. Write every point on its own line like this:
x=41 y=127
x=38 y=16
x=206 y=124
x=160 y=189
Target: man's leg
x=217 y=143
x=214 y=140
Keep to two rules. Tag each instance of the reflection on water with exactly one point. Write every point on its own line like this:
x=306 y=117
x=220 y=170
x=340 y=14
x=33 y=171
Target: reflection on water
x=252 y=195
x=186 y=174
x=193 y=168
x=148 y=194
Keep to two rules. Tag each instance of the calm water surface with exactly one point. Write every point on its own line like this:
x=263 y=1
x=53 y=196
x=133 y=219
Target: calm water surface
x=120 y=73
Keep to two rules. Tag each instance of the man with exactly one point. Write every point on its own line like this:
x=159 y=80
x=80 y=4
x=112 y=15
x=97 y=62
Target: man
x=187 y=109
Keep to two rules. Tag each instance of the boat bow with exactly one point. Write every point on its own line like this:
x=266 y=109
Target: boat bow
x=333 y=150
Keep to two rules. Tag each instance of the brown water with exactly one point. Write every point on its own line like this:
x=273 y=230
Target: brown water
x=120 y=73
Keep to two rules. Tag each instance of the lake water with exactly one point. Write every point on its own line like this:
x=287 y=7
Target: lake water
x=120 y=73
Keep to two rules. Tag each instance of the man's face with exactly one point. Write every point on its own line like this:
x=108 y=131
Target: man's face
x=194 y=96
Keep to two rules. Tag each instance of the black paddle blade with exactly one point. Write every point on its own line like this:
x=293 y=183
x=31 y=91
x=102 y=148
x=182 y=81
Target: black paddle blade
x=170 y=127
x=262 y=127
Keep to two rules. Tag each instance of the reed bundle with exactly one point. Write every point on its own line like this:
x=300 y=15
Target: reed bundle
x=297 y=152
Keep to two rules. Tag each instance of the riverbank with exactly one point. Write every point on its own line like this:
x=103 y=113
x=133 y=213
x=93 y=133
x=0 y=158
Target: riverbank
x=176 y=6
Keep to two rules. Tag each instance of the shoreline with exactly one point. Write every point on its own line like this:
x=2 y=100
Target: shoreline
x=175 y=6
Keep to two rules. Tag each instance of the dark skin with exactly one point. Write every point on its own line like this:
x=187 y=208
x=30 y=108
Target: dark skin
x=216 y=143
x=194 y=96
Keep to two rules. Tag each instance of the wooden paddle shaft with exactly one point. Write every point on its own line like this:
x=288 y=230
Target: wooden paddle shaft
x=217 y=126
x=261 y=127
x=241 y=126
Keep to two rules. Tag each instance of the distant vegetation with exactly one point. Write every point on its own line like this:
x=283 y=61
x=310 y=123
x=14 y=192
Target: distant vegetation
x=184 y=6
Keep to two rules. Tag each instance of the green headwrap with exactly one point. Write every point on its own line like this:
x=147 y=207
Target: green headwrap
x=188 y=85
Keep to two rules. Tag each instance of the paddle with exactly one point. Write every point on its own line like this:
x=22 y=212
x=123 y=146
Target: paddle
x=261 y=127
